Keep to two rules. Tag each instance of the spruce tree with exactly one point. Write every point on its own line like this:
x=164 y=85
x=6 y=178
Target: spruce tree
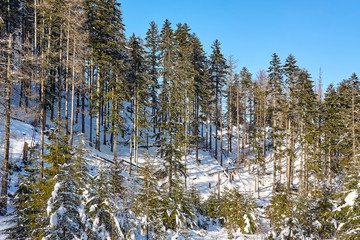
x=138 y=91
x=245 y=91
x=332 y=130
x=152 y=60
x=276 y=91
x=218 y=72
x=291 y=71
x=106 y=41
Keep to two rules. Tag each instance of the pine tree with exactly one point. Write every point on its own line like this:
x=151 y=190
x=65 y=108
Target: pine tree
x=106 y=41
x=101 y=207
x=276 y=88
x=332 y=130
x=291 y=71
x=65 y=207
x=218 y=72
x=24 y=213
x=137 y=81
x=172 y=105
x=245 y=90
x=349 y=100
x=307 y=109
x=199 y=65
x=147 y=199
x=152 y=59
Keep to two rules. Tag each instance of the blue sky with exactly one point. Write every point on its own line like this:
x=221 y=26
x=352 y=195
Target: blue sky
x=320 y=34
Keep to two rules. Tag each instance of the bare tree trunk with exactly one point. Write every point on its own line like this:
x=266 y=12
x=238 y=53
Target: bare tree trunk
x=137 y=130
x=280 y=142
x=72 y=98
x=91 y=100
x=60 y=78
x=42 y=111
x=238 y=126
x=353 y=128
x=135 y=126
x=104 y=113
x=197 y=130
x=288 y=146
x=210 y=134
x=221 y=132
x=67 y=76
x=274 y=146
x=5 y=167
x=230 y=114
x=292 y=160
x=98 y=90
x=301 y=183
x=131 y=153
x=244 y=130
x=83 y=105
x=186 y=134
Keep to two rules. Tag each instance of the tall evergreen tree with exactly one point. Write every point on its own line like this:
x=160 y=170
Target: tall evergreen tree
x=332 y=130
x=218 y=72
x=137 y=80
x=152 y=59
x=106 y=41
x=276 y=90
x=291 y=71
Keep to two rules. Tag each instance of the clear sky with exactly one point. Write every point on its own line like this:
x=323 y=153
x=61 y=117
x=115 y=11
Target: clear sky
x=319 y=33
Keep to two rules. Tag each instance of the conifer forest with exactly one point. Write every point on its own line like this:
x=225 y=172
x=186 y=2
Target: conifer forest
x=104 y=136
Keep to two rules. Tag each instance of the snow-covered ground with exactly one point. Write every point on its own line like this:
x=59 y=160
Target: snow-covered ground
x=204 y=176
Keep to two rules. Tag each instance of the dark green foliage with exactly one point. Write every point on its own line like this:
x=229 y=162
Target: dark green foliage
x=147 y=199
x=177 y=211
x=332 y=129
x=152 y=62
x=101 y=207
x=67 y=215
x=24 y=212
x=236 y=211
x=276 y=85
x=347 y=214
x=106 y=30
x=65 y=209
x=280 y=212
x=313 y=213
x=309 y=215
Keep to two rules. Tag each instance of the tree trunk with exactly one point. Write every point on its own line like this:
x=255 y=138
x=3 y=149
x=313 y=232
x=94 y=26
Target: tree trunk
x=5 y=167
x=83 y=106
x=216 y=120
x=221 y=132
x=59 y=80
x=72 y=99
x=98 y=108
x=353 y=128
x=42 y=110
x=238 y=126
x=91 y=100
x=67 y=76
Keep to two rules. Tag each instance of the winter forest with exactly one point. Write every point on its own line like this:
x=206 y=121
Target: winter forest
x=108 y=137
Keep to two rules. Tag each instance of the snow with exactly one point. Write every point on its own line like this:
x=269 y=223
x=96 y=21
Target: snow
x=199 y=175
x=247 y=222
x=350 y=198
x=53 y=220
x=203 y=176
x=53 y=196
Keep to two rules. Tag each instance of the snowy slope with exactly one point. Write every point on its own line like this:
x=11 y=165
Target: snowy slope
x=205 y=176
